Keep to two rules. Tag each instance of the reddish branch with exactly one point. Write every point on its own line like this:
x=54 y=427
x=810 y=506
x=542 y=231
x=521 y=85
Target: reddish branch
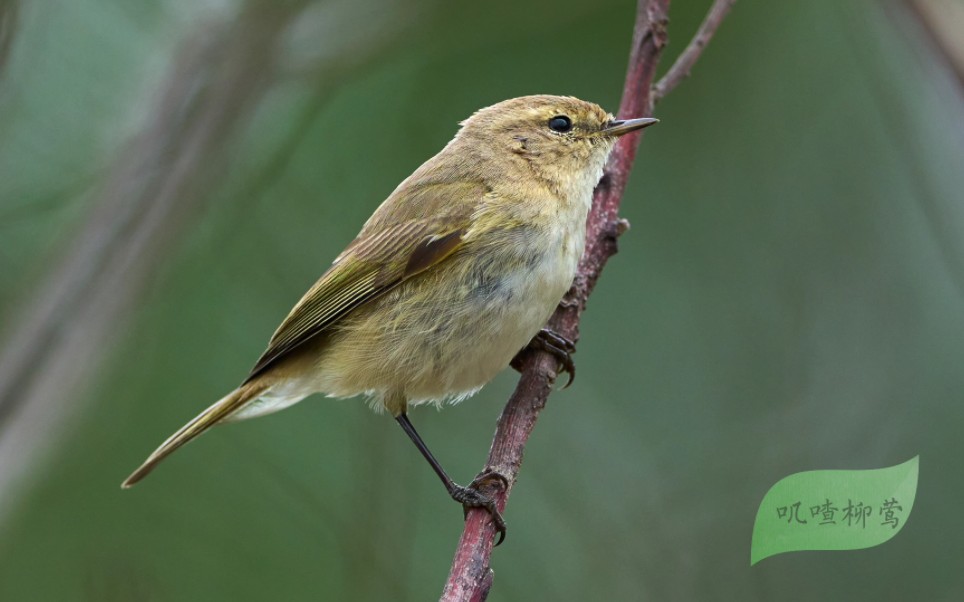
x=470 y=577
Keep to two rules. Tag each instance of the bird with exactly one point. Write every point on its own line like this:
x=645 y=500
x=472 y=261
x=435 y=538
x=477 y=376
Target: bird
x=454 y=275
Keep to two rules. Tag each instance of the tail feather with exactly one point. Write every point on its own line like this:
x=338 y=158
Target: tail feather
x=222 y=409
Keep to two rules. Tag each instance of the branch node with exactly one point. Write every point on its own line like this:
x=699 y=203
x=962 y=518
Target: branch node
x=658 y=25
x=620 y=226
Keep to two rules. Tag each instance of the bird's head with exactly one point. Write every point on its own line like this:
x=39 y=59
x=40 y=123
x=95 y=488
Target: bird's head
x=563 y=140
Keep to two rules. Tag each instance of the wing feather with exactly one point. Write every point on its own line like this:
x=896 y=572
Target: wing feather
x=382 y=257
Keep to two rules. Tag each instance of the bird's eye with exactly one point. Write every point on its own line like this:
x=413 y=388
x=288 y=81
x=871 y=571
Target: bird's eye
x=560 y=123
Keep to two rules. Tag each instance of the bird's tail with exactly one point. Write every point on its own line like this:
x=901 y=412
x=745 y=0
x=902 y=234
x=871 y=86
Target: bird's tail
x=222 y=409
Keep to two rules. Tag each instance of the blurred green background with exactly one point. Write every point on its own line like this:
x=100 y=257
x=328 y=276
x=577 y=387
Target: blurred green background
x=174 y=174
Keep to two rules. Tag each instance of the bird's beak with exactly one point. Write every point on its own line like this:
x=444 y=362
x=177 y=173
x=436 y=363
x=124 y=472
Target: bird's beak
x=624 y=126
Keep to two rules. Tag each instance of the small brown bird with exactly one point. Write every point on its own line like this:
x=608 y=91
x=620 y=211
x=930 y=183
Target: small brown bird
x=454 y=274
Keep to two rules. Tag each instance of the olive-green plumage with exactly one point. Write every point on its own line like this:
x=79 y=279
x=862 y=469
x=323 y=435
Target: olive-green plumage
x=451 y=276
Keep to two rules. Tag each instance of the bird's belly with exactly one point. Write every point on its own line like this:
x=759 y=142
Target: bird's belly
x=493 y=329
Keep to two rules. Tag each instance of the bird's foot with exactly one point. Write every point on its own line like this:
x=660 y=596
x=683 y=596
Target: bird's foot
x=473 y=496
x=556 y=345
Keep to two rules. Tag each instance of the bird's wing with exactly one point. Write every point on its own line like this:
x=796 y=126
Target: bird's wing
x=386 y=253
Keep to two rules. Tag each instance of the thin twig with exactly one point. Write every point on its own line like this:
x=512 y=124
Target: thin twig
x=685 y=61
x=9 y=23
x=935 y=26
x=470 y=577
x=52 y=348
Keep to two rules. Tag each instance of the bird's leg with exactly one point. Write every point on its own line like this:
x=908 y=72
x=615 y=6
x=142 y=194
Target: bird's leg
x=556 y=345
x=469 y=497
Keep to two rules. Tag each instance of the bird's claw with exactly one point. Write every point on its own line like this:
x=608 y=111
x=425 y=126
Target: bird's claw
x=472 y=496
x=554 y=344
